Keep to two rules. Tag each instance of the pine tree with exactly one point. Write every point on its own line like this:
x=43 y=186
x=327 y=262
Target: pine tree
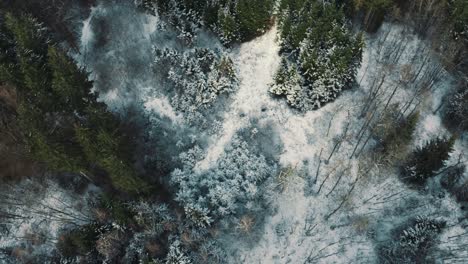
x=31 y=47
x=412 y=243
x=69 y=83
x=226 y=189
x=102 y=148
x=394 y=133
x=426 y=161
x=229 y=29
x=232 y=20
x=253 y=16
x=327 y=55
x=8 y=63
x=62 y=123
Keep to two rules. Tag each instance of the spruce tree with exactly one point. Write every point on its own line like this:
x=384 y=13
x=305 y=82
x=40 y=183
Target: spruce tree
x=69 y=83
x=315 y=37
x=253 y=17
x=426 y=161
x=62 y=124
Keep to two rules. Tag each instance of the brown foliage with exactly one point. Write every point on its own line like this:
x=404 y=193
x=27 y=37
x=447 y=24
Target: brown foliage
x=109 y=244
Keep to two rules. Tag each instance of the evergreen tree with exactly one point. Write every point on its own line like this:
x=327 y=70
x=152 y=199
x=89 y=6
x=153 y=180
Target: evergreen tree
x=69 y=83
x=456 y=116
x=254 y=16
x=412 y=243
x=30 y=40
x=8 y=63
x=62 y=123
x=232 y=20
x=426 y=161
x=315 y=37
x=102 y=148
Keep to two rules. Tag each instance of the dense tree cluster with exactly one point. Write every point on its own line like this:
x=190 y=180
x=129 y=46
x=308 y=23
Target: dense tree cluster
x=229 y=188
x=198 y=76
x=232 y=20
x=321 y=55
x=61 y=121
x=63 y=126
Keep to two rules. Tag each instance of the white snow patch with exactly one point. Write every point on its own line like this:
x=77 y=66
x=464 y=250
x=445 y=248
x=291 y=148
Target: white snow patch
x=429 y=128
x=162 y=107
x=86 y=33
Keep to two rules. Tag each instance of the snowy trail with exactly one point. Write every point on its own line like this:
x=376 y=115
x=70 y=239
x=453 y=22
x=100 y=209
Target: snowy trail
x=256 y=63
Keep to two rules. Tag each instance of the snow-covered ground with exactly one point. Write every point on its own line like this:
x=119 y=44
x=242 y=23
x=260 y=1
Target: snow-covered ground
x=334 y=208
x=306 y=226
x=337 y=201
x=34 y=214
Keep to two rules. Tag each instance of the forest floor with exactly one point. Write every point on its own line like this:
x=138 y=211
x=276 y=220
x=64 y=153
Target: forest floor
x=335 y=207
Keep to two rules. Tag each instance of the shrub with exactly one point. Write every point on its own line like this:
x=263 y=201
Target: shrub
x=79 y=241
x=394 y=133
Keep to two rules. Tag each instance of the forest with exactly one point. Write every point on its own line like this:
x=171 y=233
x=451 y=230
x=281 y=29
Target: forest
x=233 y=131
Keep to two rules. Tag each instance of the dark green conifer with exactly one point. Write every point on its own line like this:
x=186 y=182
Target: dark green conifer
x=427 y=160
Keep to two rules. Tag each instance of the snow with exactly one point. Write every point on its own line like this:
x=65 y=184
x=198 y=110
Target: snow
x=121 y=64
x=429 y=128
x=252 y=94
x=306 y=222
x=337 y=238
x=162 y=107
x=86 y=33
x=45 y=210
